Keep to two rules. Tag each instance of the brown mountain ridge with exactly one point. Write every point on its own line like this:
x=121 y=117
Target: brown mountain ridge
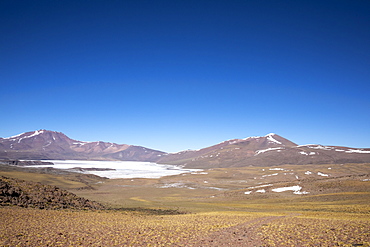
x=268 y=150
x=46 y=144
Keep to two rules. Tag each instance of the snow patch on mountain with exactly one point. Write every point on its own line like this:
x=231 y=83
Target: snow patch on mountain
x=266 y=150
x=330 y=148
x=360 y=151
x=322 y=174
x=320 y=147
x=296 y=190
x=14 y=137
x=37 y=132
x=271 y=138
x=310 y=153
x=233 y=141
x=260 y=186
x=252 y=137
x=80 y=143
x=32 y=134
x=269 y=175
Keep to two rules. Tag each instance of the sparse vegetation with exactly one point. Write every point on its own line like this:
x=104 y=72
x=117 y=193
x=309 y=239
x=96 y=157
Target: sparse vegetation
x=185 y=211
x=303 y=231
x=30 y=194
x=30 y=227
x=33 y=227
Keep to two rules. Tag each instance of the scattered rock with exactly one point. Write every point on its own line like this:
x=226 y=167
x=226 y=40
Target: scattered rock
x=36 y=195
x=26 y=162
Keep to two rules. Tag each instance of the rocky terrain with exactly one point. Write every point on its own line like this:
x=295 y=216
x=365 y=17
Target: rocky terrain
x=25 y=162
x=35 y=195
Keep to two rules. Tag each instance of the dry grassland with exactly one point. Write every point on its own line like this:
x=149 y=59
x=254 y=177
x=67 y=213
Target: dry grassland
x=316 y=231
x=335 y=212
x=34 y=227
x=30 y=227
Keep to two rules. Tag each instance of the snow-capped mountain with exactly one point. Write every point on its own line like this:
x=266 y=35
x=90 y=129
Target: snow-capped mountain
x=227 y=153
x=45 y=144
x=268 y=150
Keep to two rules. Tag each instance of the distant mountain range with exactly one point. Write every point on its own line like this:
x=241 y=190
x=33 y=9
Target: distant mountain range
x=269 y=150
x=45 y=144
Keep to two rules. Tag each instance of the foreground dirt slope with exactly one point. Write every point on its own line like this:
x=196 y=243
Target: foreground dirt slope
x=245 y=234
x=35 y=227
x=30 y=194
x=226 y=207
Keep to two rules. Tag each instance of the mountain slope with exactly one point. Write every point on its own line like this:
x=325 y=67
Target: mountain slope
x=228 y=153
x=45 y=144
x=269 y=150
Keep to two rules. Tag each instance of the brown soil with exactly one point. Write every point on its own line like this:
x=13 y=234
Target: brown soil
x=246 y=234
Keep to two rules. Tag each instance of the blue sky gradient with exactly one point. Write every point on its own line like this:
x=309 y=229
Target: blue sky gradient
x=176 y=75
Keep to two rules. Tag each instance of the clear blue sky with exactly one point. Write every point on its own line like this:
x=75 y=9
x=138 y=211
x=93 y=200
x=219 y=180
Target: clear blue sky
x=176 y=75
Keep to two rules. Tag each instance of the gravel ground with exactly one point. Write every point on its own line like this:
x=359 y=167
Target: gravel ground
x=245 y=234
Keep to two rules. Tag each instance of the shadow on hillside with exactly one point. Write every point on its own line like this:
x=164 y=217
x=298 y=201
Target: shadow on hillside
x=148 y=211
